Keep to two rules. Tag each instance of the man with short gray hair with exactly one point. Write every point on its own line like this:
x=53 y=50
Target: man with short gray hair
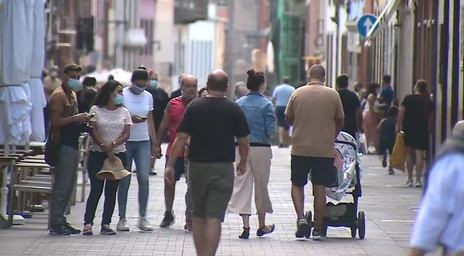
x=178 y=92
x=240 y=90
x=171 y=119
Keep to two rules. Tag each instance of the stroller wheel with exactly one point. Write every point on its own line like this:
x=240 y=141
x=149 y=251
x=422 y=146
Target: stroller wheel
x=361 y=225
x=353 y=232
x=309 y=218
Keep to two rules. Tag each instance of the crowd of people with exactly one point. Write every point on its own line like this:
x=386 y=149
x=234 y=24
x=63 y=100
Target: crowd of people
x=376 y=116
x=207 y=134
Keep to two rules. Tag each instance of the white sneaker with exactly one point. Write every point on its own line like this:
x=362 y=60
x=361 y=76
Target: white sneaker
x=408 y=183
x=144 y=225
x=122 y=225
x=418 y=184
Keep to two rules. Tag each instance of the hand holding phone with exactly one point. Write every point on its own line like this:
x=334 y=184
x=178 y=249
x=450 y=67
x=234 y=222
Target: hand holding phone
x=138 y=119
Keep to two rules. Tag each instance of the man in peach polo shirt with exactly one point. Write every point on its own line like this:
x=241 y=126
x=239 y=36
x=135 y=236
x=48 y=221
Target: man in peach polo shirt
x=316 y=113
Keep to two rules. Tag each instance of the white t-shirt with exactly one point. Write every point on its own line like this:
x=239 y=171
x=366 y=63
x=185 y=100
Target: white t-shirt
x=140 y=105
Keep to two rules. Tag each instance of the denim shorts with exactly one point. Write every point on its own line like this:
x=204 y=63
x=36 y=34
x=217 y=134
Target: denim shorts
x=179 y=167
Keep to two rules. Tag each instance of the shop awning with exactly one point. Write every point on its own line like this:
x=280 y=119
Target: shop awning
x=384 y=17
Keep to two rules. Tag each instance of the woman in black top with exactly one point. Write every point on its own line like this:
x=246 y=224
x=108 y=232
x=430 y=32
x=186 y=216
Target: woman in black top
x=415 y=121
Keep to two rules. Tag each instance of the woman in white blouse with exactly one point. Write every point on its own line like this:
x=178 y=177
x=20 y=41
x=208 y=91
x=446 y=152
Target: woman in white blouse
x=111 y=124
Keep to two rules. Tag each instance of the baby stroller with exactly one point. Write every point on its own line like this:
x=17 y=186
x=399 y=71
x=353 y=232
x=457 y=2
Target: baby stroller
x=348 y=182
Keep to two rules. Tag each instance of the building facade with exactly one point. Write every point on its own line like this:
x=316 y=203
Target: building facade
x=429 y=46
x=242 y=37
x=164 y=33
x=199 y=47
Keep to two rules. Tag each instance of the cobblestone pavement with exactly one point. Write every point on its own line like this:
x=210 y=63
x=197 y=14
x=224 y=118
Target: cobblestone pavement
x=390 y=209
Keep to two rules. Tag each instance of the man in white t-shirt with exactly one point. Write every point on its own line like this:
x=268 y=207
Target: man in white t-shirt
x=140 y=105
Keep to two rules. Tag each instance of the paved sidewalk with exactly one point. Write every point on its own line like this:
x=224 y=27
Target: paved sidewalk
x=390 y=209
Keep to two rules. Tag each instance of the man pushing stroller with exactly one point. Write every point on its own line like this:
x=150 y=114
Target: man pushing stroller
x=313 y=145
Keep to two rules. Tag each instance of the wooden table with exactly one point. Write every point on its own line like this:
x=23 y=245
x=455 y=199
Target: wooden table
x=5 y=163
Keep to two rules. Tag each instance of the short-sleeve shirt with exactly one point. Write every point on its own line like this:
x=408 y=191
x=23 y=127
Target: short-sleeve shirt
x=350 y=102
x=417 y=113
x=85 y=98
x=314 y=109
x=140 y=105
x=175 y=111
x=387 y=96
x=110 y=126
x=67 y=135
x=282 y=94
x=213 y=124
x=160 y=101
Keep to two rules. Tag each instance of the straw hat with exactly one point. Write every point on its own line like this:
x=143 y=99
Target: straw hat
x=112 y=170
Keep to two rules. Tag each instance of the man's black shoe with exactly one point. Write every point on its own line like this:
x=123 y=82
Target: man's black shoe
x=73 y=231
x=59 y=231
x=168 y=220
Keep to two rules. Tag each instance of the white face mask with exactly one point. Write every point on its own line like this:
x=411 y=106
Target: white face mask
x=53 y=74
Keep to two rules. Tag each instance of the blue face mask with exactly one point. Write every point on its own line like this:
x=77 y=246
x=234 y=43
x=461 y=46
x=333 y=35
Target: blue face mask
x=137 y=89
x=74 y=84
x=118 y=100
x=153 y=83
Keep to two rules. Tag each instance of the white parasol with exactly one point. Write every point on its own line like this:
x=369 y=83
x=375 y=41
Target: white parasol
x=15 y=106
x=15 y=51
x=37 y=98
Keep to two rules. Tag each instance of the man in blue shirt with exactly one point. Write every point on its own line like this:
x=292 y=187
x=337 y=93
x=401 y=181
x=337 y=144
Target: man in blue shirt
x=280 y=98
x=386 y=94
x=440 y=221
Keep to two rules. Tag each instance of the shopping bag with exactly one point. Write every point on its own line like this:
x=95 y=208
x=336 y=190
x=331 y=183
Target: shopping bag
x=397 y=158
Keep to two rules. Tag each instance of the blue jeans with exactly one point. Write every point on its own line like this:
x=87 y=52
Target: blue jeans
x=140 y=152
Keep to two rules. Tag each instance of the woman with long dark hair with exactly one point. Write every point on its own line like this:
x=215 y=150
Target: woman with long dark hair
x=111 y=124
x=371 y=116
x=259 y=113
x=415 y=121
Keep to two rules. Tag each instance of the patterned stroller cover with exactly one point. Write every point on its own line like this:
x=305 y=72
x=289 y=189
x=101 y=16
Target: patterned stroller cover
x=346 y=159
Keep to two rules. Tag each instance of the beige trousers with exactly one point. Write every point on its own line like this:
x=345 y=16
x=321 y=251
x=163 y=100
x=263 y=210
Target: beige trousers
x=258 y=170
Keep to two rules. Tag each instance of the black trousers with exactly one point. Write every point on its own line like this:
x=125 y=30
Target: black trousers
x=94 y=165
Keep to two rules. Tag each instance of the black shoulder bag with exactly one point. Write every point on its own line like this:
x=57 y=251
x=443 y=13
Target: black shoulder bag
x=52 y=149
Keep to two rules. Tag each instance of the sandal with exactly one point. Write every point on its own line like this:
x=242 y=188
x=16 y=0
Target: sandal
x=87 y=230
x=268 y=229
x=245 y=233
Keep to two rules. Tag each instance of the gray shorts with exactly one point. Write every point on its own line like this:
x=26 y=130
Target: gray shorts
x=211 y=187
